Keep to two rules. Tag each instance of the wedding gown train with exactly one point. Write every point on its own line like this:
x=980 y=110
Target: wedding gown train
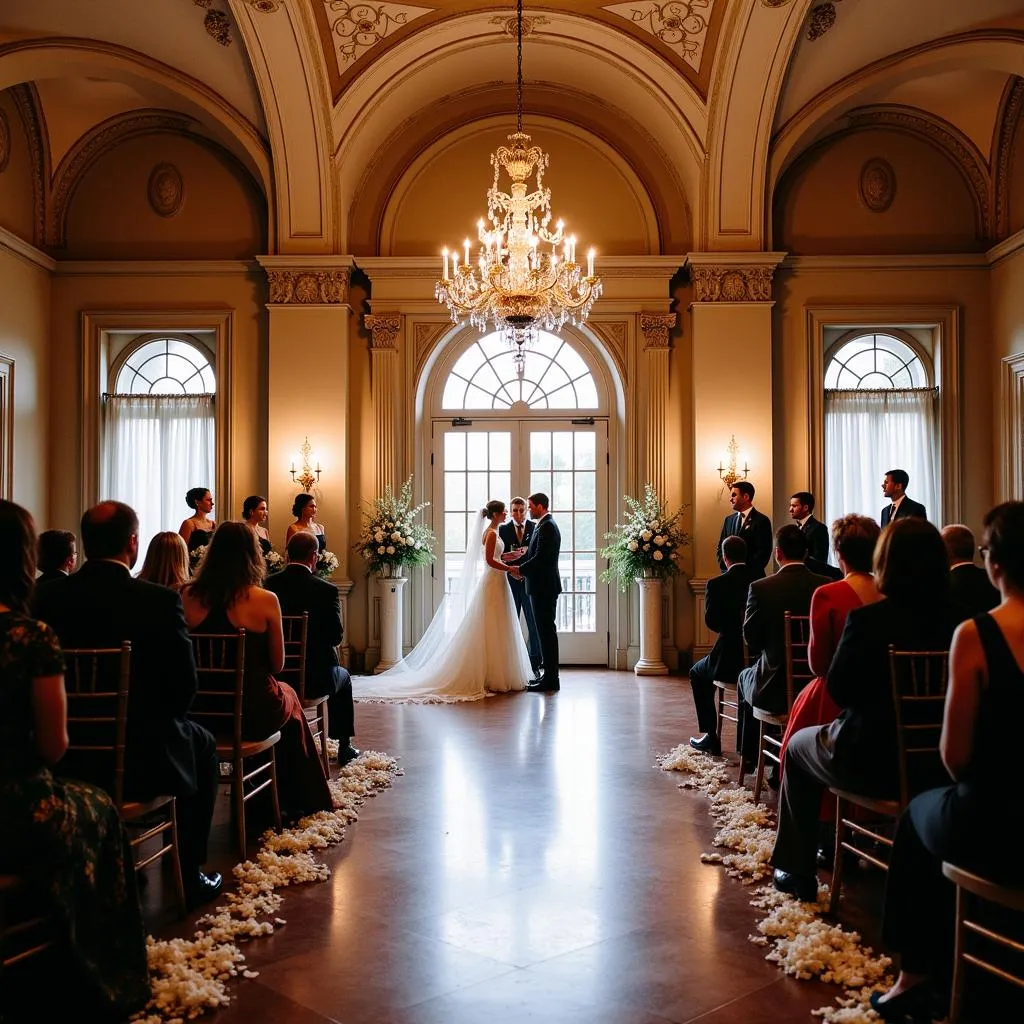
x=473 y=648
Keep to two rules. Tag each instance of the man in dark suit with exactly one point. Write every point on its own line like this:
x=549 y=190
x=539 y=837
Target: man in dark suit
x=725 y=598
x=300 y=590
x=102 y=605
x=543 y=584
x=754 y=527
x=763 y=684
x=516 y=538
x=58 y=555
x=801 y=511
x=894 y=487
x=969 y=585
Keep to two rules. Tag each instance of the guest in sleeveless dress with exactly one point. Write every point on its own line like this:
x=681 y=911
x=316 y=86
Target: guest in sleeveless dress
x=970 y=821
x=226 y=596
x=63 y=837
x=197 y=530
x=304 y=509
x=166 y=561
x=254 y=515
x=853 y=540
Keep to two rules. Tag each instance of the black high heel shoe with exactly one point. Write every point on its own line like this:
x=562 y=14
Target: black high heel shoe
x=912 y=1006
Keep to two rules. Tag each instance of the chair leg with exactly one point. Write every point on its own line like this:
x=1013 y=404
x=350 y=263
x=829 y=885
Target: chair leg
x=759 y=778
x=321 y=719
x=718 y=712
x=238 y=793
x=957 y=996
x=273 y=790
x=837 y=859
x=179 y=882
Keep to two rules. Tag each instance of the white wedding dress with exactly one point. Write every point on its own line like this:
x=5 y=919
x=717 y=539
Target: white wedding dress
x=472 y=648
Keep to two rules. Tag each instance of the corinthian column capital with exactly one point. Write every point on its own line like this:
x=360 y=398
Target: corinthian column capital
x=655 y=328
x=384 y=330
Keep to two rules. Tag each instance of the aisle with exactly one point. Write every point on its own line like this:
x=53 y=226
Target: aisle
x=531 y=865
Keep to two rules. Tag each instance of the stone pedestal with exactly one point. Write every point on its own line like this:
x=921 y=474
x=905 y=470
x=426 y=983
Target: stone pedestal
x=390 y=622
x=650 y=663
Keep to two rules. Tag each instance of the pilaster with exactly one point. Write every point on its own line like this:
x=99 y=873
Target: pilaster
x=385 y=331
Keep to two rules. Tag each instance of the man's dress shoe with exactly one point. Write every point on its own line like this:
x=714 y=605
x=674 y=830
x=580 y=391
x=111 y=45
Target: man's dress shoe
x=709 y=743
x=803 y=887
x=346 y=754
x=543 y=686
x=202 y=888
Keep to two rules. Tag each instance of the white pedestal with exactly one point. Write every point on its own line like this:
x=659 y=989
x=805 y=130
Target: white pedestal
x=650 y=663
x=390 y=623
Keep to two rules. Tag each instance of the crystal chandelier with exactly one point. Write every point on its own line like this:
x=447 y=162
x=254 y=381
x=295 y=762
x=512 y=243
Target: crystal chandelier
x=515 y=285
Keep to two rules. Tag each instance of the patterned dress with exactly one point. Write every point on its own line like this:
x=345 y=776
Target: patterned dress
x=66 y=838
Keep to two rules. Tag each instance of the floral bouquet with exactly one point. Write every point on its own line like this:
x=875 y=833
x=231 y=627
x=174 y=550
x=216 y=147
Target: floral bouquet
x=274 y=562
x=647 y=544
x=389 y=539
x=326 y=563
x=195 y=558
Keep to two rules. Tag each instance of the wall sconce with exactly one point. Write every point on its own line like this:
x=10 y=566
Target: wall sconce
x=306 y=478
x=730 y=472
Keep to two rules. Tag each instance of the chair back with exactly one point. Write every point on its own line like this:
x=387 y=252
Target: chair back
x=919 y=682
x=220 y=668
x=296 y=632
x=798 y=668
x=96 y=681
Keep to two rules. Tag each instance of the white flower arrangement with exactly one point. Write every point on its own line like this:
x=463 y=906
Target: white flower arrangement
x=196 y=556
x=389 y=538
x=326 y=564
x=648 y=543
x=274 y=562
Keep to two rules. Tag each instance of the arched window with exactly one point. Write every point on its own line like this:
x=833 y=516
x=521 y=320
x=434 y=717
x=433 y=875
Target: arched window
x=166 y=366
x=554 y=377
x=880 y=414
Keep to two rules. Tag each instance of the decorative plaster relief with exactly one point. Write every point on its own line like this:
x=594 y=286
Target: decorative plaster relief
x=681 y=25
x=530 y=24
x=166 y=190
x=877 y=185
x=216 y=23
x=655 y=328
x=357 y=28
x=775 y=3
x=384 y=330
x=425 y=338
x=821 y=19
x=5 y=141
x=26 y=99
x=265 y=6
x=732 y=283
x=308 y=287
x=1009 y=116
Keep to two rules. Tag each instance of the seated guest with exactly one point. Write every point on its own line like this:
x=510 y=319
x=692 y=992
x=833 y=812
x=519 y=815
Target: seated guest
x=65 y=838
x=725 y=598
x=801 y=511
x=101 y=605
x=854 y=539
x=254 y=515
x=963 y=822
x=300 y=591
x=969 y=584
x=226 y=596
x=858 y=750
x=166 y=561
x=763 y=684
x=304 y=509
x=58 y=555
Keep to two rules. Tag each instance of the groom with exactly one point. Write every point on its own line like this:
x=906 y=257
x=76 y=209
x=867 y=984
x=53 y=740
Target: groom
x=543 y=584
x=516 y=537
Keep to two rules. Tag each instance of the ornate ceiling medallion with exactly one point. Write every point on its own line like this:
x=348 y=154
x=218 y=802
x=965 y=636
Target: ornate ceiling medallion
x=821 y=19
x=166 y=190
x=359 y=27
x=681 y=25
x=877 y=185
x=530 y=25
x=216 y=23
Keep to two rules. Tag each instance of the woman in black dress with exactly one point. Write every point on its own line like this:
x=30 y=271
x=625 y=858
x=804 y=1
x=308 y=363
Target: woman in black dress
x=969 y=821
x=63 y=837
x=304 y=509
x=197 y=530
x=254 y=515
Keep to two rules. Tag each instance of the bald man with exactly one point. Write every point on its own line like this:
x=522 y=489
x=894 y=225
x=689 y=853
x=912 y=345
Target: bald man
x=969 y=585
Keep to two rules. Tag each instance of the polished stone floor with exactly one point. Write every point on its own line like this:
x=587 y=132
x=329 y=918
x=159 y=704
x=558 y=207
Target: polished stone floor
x=530 y=865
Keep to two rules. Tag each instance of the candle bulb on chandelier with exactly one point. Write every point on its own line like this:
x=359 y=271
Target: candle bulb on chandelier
x=572 y=248
x=444 y=253
x=590 y=262
x=465 y=246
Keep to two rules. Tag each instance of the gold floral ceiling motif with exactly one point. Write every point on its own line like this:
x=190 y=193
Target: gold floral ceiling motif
x=357 y=28
x=682 y=25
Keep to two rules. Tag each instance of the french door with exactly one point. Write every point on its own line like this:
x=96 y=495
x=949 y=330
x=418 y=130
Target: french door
x=475 y=461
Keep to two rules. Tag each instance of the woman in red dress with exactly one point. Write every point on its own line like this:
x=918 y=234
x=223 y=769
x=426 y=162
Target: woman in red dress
x=853 y=540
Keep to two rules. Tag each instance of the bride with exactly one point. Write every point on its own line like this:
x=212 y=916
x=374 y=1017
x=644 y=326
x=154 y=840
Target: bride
x=473 y=647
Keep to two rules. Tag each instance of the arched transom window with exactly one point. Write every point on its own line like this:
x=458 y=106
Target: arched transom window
x=554 y=377
x=166 y=366
x=876 y=362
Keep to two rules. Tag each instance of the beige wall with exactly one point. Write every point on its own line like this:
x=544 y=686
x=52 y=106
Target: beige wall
x=1007 y=297
x=16 y=201
x=241 y=291
x=24 y=337
x=818 y=208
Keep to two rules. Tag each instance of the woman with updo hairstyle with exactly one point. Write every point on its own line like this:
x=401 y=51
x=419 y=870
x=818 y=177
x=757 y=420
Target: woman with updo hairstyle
x=969 y=821
x=304 y=509
x=254 y=515
x=166 y=561
x=198 y=528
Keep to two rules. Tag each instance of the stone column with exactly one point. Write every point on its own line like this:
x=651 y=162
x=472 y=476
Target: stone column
x=385 y=330
x=307 y=394
x=655 y=328
x=731 y=321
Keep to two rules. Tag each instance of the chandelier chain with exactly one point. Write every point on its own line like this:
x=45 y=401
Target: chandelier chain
x=519 y=66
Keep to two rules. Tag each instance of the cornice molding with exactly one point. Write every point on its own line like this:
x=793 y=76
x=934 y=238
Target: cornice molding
x=733 y=277
x=308 y=287
x=912 y=261
x=429 y=267
x=155 y=268
x=1010 y=108
x=384 y=329
x=11 y=243
x=1006 y=248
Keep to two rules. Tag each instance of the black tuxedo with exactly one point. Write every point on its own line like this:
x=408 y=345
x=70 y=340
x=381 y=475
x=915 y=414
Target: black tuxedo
x=757 y=533
x=300 y=591
x=507 y=533
x=54 y=575
x=763 y=684
x=102 y=605
x=970 y=587
x=543 y=584
x=725 y=598
x=908 y=507
x=823 y=568
x=816 y=535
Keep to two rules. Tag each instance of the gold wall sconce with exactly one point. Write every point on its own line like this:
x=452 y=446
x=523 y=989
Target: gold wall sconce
x=729 y=471
x=309 y=475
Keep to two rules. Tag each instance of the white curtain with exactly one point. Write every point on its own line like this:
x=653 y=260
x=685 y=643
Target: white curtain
x=870 y=432
x=155 y=447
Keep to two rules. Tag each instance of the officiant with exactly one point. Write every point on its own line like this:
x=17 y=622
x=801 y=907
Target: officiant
x=516 y=537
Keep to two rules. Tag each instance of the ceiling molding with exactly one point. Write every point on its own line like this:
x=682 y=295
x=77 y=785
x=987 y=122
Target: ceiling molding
x=1010 y=108
x=30 y=110
x=11 y=243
